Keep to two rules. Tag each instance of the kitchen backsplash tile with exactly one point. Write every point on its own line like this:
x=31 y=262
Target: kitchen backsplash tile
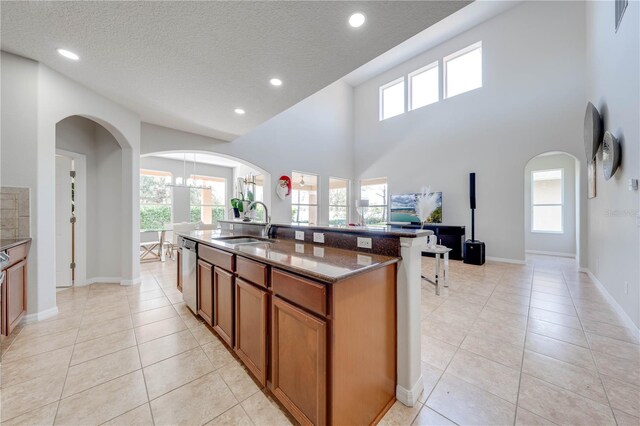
x=14 y=212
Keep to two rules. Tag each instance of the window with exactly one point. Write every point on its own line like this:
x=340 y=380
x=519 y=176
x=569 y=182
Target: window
x=463 y=70
x=304 y=198
x=259 y=196
x=338 y=201
x=208 y=205
x=374 y=190
x=392 y=99
x=155 y=199
x=424 y=86
x=547 y=201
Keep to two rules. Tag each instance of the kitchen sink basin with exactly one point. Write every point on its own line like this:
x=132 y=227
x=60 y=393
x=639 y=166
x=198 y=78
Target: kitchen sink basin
x=236 y=241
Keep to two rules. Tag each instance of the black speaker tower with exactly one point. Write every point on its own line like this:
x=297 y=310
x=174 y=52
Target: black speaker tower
x=474 y=251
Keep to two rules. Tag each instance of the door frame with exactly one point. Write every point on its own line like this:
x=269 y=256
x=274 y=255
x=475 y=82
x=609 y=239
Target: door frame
x=80 y=166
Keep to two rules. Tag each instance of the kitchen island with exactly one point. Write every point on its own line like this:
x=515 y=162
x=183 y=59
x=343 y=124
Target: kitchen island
x=321 y=326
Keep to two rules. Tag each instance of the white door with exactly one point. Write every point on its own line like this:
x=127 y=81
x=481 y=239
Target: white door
x=64 y=241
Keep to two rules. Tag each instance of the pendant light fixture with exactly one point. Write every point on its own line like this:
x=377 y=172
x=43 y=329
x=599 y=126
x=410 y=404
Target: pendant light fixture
x=184 y=182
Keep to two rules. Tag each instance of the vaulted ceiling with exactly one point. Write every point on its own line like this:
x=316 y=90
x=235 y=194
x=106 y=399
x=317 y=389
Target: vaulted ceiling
x=188 y=65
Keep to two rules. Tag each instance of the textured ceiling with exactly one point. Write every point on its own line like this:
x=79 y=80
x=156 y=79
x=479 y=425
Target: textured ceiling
x=187 y=65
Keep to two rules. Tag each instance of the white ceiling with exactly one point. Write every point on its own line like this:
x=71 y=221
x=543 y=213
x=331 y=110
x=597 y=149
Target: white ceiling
x=187 y=65
x=190 y=157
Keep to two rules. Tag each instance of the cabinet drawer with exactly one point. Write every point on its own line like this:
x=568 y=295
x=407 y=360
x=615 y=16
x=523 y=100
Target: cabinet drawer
x=305 y=293
x=217 y=257
x=252 y=271
x=16 y=254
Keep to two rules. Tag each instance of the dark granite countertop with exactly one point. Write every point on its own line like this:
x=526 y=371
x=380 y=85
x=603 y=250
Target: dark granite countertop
x=387 y=231
x=327 y=264
x=7 y=243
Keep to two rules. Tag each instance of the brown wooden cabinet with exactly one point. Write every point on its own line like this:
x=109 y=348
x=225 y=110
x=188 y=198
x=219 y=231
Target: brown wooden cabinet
x=299 y=362
x=16 y=293
x=223 y=306
x=251 y=328
x=205 y=291
x=179 y=268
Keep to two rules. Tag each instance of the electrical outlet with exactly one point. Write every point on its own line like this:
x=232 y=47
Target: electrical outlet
x=300 y=235
x=231 y=227
x=364 y=242
x=626 y=287
x=318 y=237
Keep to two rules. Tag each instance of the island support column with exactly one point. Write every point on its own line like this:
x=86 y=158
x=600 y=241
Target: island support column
x=409 y=299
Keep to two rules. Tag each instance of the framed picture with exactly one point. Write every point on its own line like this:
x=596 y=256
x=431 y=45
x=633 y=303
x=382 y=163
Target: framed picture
x=621 y=6
x=591 y=179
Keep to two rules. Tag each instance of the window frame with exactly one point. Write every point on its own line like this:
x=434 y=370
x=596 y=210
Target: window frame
x=213 y=206
x=457 y=54
x=386 y=205
x=156 y=173
x=435 y=64
x=386 y=86
x=317 y=205
x=561 y=205
x=348 y=181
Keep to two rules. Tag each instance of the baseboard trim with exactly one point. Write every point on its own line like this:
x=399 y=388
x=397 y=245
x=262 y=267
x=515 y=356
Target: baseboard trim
x=409 y=397
x=621 y=312
x=131 y=282
x=42 y=315
x=103 y=280
x=504 y=260
x=552 y=253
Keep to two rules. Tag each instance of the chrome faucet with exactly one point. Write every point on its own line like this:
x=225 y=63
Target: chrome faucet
x=266 y=214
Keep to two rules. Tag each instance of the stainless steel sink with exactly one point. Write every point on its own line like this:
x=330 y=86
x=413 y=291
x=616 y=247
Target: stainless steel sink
x=236 y=241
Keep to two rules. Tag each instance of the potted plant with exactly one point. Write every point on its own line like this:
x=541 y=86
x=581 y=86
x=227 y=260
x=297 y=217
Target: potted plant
x=238 y=207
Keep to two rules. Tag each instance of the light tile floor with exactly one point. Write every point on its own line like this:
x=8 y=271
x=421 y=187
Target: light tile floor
x=504 y=344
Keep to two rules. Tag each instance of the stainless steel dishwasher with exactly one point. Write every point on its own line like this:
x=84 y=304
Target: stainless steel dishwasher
x=188 y=267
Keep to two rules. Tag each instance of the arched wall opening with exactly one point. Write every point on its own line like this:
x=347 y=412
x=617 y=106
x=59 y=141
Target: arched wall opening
x=99 y=202
x=552 y=205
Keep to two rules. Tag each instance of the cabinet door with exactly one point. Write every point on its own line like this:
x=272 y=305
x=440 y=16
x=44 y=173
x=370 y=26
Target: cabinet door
x=251 y=328
x=16 y=294
x=179 y=268
x=299 y=362
x=205 y=291
x=223 y=294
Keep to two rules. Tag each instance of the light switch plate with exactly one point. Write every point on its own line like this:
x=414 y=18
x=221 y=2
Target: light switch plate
x=364 y=242
x=300 y=235
x=231 y=226
x=318 y=237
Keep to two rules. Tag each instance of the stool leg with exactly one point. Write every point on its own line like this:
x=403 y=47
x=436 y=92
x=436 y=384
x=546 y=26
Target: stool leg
x=437 y=274
x=446 y=269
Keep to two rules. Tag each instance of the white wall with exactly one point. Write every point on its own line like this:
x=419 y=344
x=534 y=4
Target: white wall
x=561 y=244
x=532 y=101
x=613 y=85
x=181 y=211
x=34 y=99
x=313 y=136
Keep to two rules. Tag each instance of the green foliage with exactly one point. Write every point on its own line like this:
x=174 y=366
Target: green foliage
x=154 y=216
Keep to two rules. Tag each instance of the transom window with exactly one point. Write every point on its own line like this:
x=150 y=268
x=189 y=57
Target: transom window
x=547 y=201
x=392 y=99
x=208 y=205
x=463 y=70
x=424 y=86
x=155 y=199
x=304 y=198
x=374 y=190
x=338 y=201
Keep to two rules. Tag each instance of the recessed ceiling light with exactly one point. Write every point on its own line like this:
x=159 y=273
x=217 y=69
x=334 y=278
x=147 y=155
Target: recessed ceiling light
x=357 y=20
x=68 y=54
x=239 y=111
x=275 y=82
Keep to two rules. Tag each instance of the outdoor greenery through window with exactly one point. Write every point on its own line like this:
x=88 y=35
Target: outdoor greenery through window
x=155 y=199
x=374 y=190
x=304 y=198
x=338 y=201
x=208 y=205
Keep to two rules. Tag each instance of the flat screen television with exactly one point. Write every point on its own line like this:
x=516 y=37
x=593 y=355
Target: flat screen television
x=403 y=209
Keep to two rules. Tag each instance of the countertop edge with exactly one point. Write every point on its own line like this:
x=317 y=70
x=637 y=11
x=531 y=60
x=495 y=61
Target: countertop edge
x=15 y=243
x=293 y=269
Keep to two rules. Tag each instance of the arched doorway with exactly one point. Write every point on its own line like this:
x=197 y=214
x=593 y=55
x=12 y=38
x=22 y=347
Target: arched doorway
x=552 y=205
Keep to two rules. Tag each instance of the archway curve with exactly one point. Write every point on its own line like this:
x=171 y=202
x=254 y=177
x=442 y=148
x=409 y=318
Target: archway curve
x=578 y=204
x=200 y=151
